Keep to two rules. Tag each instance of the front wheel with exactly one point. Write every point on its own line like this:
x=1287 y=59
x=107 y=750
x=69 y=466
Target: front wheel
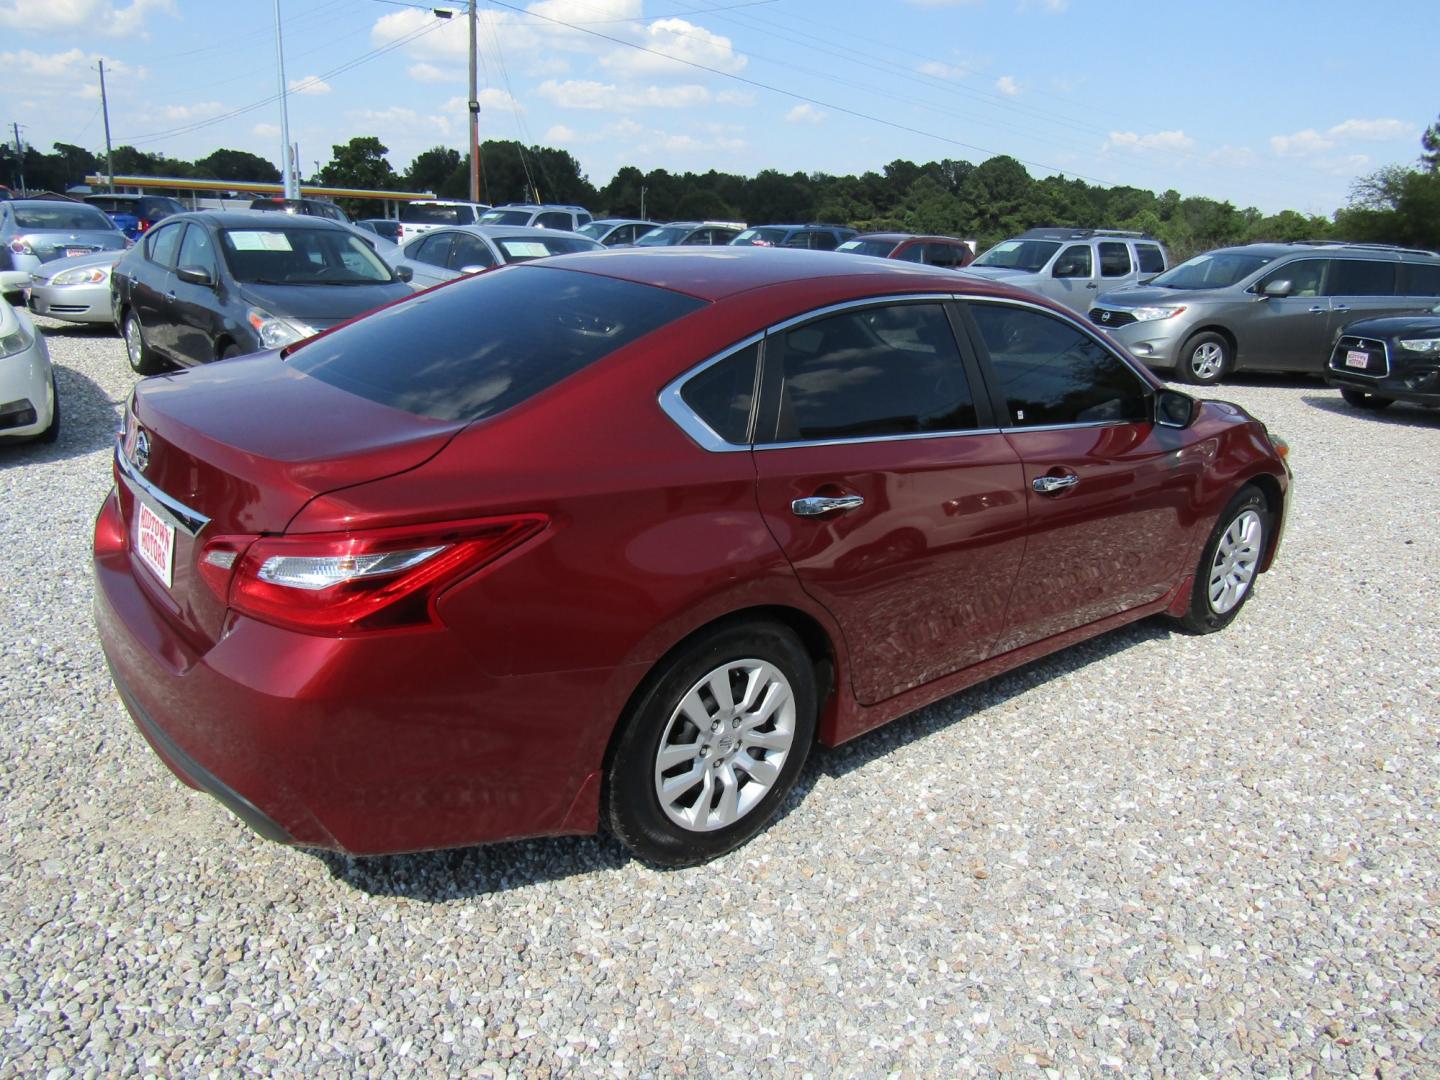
x=143 y=360
x=52 y=433
x=1364 y=400
x=1205 y=359
x=1225 y=577
x=713 y=745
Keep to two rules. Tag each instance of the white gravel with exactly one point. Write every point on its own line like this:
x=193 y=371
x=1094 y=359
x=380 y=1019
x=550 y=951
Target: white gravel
x=1150 y=855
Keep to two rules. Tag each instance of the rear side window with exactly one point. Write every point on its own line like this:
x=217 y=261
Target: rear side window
x=434 y=250
x=1114 y=260
x=722 y=394
x=944 y=255
x=555 y=219
x=1361 y=277
x=890 y=370
x=1419 y=280
x=1152 y=259
x=477 y=347
x=1050 y=373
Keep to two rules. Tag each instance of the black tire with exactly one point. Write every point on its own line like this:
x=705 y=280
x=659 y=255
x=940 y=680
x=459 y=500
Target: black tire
x=1362 y=399
x=7 y=262
x=143 y=360
x=1250 y=515
x=51 y=433
x=229 y=351
x=1204 y=359
x=731 y=658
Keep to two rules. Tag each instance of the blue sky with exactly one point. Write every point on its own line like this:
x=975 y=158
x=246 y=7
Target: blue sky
x=1265 y=105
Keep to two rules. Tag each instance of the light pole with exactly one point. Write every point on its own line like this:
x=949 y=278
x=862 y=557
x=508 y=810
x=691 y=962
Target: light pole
x=286 y=163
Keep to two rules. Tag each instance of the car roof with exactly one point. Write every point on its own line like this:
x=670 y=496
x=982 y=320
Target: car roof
x=1325 y=249
x=714 y=273
x=492 y=231
x=226 y=219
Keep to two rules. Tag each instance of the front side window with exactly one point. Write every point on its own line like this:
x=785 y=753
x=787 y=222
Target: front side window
x=163 y=243
x=874 y=371
x=1361 y=277
x=1114 y=260
x=1049 y=372
x=1074 y=262
x=765 y=236
x=722 y=394
x=1152 y=259
x=470 y=250
x=1306 y=277
x=197 y=250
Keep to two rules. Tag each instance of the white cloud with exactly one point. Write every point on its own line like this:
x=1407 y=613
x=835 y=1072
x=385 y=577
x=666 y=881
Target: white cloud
x=936 y=69
x=429 y=73
x=105 y=17
x=266 y=131
x=400 y=119
x=1233 y=156
x=1007 y=85
x=590 y=94
x=192 y=112
x=70 y=65
x=1373 y=130
x=1308 y=141
x=805 y=113
x=1311 y=142
x=309 y=84
x=559 y=134
x=743 y=98
x=679 y=39
x=1158 y=140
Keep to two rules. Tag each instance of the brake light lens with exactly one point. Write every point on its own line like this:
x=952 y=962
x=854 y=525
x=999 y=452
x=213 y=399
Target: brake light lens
x=142 y=225
x=338 y=584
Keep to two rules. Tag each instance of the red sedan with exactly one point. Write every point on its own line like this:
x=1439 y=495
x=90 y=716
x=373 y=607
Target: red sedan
x=617 y=536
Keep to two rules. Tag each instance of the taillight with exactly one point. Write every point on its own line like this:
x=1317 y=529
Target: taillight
x=344 y=583
x=142 y=225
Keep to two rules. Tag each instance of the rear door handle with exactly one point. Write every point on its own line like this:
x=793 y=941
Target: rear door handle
x=169 y=296
x=1317 y=309
x=1049 y=485
x=1341 y=307
x=816 y=505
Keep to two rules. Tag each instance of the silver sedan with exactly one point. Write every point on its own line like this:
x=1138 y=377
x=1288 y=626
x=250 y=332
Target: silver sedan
x=442 y=254
x=75 y=290
x=37 y=231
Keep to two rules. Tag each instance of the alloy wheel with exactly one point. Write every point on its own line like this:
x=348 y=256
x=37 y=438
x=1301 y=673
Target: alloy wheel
x=1207 y=361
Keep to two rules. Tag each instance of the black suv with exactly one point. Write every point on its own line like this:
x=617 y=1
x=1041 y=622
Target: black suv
x=1379 y=361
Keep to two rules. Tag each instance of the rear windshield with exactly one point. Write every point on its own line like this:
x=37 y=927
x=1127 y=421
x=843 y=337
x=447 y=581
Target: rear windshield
x=281 y=256
x=506 y=217
x=881 y=248
x=62 y=216
x=1031 y=255
x=1211 y=271
x=483 y=344
x=761 y=237
x=520 y=248
x=435 y=214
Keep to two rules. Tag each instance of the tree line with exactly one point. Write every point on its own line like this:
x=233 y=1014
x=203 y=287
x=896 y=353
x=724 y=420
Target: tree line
x=985 y=202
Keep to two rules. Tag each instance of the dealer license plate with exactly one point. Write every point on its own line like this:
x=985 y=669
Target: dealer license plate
x=70 y=253
x=1356 y=358
x=155 y=542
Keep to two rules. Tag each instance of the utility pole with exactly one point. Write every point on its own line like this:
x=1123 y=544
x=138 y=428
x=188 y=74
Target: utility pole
x=109 y=154
x=286 y=164
x=475 y=174
x=19 y=159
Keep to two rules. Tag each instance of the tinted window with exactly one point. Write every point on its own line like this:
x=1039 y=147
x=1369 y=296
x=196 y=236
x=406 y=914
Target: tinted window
x=949 y=255
x=1306 y=276
x=434 y=249
x=197 y=249
x=1361 y=277
x=470 y=250
x=1419 y=280
x=1152 y=260
x=555 y=219
x=722 y=395
x=505 y=217
x=699 y=237
x=914 y=253
x=877 y=371
x=1051 y=373
x=433 y=214
x=63 y=216
x=880 y=248
x=663 y=236
x=113 y=204
x=162 y=243
x=488 y=342
x=765 y=236
x=1114 y=260
x=823 y=241
x=1074 y=261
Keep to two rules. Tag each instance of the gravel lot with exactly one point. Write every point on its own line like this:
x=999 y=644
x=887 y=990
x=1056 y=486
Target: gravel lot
x=1152 y=854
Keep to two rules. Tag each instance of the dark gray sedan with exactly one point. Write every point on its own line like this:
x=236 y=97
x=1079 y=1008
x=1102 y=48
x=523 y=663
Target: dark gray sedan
x=36 y=231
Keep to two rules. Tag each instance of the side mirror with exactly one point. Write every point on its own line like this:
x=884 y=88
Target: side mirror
x=404 y=273
x=13 y=284
x=1174 y=409
x=1068 y=269
x=1279 y=289
x=195 y=275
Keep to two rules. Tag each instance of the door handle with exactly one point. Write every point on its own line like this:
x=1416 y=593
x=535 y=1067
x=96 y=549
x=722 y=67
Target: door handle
x=1316 y=310
x=169 y=296
x=1092 y=285
x=1341 y=307
x=816 y=505
x=1049 y=485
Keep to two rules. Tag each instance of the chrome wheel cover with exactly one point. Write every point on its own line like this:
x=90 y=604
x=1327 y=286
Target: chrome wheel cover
x=1236 y=557
x=725 y=745
x=1207 y=361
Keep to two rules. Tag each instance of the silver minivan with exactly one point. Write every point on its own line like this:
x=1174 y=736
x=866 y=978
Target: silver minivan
x=1264 y=307
x=1071 y=266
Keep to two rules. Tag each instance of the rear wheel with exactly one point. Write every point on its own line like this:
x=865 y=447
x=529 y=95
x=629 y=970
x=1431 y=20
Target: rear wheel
x=143 y=360
x=1225 y=577
x=1362 y=399
x=1205 y=359
x=229 y=351
x=713 y=745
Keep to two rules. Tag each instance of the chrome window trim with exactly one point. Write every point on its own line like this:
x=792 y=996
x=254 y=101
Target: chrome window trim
x=906 y=437
x=687 y=419
x=192 y=521
x=869 y=301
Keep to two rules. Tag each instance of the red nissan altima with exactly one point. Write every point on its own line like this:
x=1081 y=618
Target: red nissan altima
x=618 y=536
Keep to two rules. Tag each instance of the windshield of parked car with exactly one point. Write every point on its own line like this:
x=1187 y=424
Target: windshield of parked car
x=485 y=343
x=1031 y=255
x=595 y=229
x=62 y=216
x=664 y=236
x=762 y=237
x=434 y=214
x=523 y=248
x=881 y=248
x=505 y=217
x=281 y=256
x=1211 y=271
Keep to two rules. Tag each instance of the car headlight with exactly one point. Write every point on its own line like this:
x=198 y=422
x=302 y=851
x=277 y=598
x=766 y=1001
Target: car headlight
x=17 y=341
x=1424 y=344
x=1150 y=314
x=82 y=275
x=276 y=333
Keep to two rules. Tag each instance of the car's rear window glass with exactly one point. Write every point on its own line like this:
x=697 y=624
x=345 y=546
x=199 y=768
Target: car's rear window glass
x=61 y=216
x=882 y=248
x=432 y=214
x=1417 y=280
x=114 y=204
x=486 y=343
x=506 y=217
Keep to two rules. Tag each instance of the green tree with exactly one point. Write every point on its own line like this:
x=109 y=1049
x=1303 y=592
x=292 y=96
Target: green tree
x=1430 y=148
x=239 y=165
x=360 y=163
x=432 y=169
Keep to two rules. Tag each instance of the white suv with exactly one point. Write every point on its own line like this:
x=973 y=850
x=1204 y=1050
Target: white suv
x=1072 y=266
x=422 y=215
x=537 y=216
